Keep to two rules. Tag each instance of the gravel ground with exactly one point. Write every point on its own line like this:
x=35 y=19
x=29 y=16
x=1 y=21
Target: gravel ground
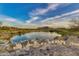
x=53 y=50
x=47 y=49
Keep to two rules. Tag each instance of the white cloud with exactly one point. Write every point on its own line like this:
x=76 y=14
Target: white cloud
x=41 y=11
x=9 y=21
x=32 y=19
x=20 y=24
x=61 y=16
x=51 y=6
x=12 y=22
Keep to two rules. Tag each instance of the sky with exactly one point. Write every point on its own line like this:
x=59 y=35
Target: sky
x=21 y=14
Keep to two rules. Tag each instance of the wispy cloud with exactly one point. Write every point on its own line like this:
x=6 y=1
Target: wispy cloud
x=13 y=22
x=7 y=18
x=35 y=15
x=61 y=16
x=9 y=21
x=32 y=19
x=41 y=11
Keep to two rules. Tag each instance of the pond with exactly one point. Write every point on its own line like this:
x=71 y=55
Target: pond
x=33 y=35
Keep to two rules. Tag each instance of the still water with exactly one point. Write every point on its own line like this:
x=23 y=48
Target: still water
x=33 y=35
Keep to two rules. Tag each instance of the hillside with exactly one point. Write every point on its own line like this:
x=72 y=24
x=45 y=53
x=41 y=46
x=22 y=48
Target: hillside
x=7 y=32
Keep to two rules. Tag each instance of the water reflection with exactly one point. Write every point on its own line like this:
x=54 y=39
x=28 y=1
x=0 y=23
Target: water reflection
x=33 y=35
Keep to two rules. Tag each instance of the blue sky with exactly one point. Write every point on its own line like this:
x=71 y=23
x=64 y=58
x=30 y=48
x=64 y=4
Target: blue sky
x=36 y=12
x=19 y=10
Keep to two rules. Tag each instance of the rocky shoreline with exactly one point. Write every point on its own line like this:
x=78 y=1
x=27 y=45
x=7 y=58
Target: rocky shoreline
x=57 y=46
